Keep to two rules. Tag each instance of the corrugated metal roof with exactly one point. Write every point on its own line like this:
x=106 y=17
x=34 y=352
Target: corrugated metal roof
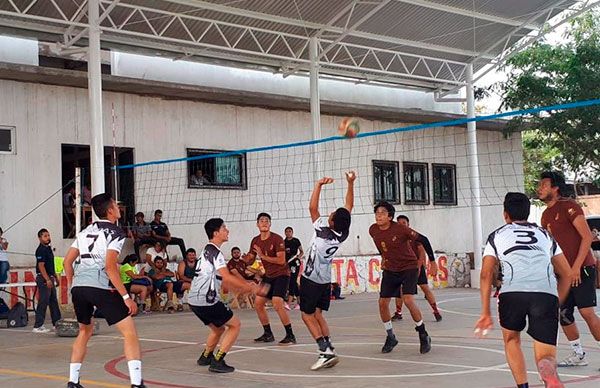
x=423 y=43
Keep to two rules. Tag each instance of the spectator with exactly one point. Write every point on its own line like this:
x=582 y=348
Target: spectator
x=158 y=250
x=134 y=283
x=160 y=231
x=293 y=255
x=238 y=267
x=69 y=212
x=86 y=195
x=186 y=270
x=4 y=265
x=46 y=282
x=141 y=233
x=164 y=281
x=198 y=179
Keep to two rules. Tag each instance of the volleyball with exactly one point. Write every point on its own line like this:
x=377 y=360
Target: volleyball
x=349 y=127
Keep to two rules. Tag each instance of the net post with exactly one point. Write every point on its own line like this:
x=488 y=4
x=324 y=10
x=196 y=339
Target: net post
x=474 y=176
x=95 y=99
x=315 y=107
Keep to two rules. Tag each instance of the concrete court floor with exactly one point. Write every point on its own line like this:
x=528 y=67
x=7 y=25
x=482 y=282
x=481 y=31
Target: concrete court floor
x=171 y=345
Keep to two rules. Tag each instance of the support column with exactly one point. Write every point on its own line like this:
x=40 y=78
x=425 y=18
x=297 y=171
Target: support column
x=315 y=104
x=95 y=99
x=474 y=179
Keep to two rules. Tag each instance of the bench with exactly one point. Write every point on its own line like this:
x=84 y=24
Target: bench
x=5 y=286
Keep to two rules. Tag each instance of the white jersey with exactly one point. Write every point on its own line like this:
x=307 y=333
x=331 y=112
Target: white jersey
x=93 y=243
x=525 y=253
x=206 y=284
x=323 y=246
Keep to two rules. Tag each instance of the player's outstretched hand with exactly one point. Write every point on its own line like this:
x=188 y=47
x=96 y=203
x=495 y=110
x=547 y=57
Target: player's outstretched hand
x=483 y=326
x=350 y=176
x=324 y=181
x=132 y=306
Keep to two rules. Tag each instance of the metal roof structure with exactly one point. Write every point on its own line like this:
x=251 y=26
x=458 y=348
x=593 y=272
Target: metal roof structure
x=424 y=44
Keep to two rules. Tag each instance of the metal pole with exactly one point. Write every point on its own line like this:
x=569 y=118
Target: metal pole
x=315 y=104
x=474 y=170
x=115 y=172
x=95 y=99
x=77 y=200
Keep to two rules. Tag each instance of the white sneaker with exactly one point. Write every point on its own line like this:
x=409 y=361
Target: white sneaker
x=40 y=329
x=574 y=359
x=325 y=361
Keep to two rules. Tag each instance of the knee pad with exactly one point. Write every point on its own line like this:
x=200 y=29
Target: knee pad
x=566 y=316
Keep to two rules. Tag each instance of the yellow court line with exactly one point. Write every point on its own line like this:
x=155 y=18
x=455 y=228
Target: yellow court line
x=57 y=378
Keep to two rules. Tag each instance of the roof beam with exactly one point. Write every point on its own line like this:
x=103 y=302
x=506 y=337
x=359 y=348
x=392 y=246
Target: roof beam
x=470 y=13
x=317 y=26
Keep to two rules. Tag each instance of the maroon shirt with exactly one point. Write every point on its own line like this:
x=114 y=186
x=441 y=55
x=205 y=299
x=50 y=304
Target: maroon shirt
x=394 y=245
x=270 y=247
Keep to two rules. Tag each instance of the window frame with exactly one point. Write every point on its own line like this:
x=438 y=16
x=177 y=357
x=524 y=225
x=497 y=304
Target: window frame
x=425 y=166
x=377 y=163
x=13 y=139
x=455 y=194
x=204 y=151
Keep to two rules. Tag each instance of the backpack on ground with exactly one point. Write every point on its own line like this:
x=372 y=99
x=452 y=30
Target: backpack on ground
x=17 y=316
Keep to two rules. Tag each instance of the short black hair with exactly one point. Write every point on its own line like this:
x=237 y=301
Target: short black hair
x=235 y=248
x=157 y=211
x=131 y=258
x=1 y=231
x=517 y=206
x=213 y=225
x=190 y=250
x=263 y=214
x=101 y=203
x=387 y=206
x=158 y=258
x=42 y=231
x=402 y=217
x=161 y=243
x=290 y=228
x=139 y=214
x=341 y=220
x=557 y=179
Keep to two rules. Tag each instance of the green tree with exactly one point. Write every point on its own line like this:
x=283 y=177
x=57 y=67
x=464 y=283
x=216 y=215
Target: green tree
x=548 y=74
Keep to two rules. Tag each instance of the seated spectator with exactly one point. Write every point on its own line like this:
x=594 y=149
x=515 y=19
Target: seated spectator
x=164 y=281
x=141 y=233
x=135 y=283
x=237 y=266
x=160 y=231
x=186 y=270
x=4 y=265
x=158 y=250
x=199 y=179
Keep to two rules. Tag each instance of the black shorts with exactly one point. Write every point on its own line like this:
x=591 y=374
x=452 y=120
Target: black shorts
x=218 y=314
x=176 y=287
x=395 y=283
x=584 y=295
x=279 y=286
x=422 y=278
x=293 y=287
x=109 y=304
x=539 y=309
x=314 y=295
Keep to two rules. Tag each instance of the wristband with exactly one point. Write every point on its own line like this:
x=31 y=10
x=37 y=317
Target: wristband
x=125 y=297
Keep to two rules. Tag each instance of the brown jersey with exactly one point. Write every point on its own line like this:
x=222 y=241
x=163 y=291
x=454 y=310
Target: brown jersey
x=415 y=247
x=270 y=247
x=240 y=267
x=558 y=220
x=394 y=245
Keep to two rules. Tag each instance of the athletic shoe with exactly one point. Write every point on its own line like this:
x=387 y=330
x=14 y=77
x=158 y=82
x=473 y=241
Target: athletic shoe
x=41 y=329
x=220 y=366
x=287 y=307
x=141 y=385
x=71 y=384
x=265 y=338
x=438 y=316
x=289 y=339
x=549 y=374
x=425 y=340
x=325 y=361
x=574 y=359
x=204 y=361
x=397 y=316
x=390 y=343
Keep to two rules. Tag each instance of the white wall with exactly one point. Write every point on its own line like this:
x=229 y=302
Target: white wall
x=279 y=181
x=17 y=50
